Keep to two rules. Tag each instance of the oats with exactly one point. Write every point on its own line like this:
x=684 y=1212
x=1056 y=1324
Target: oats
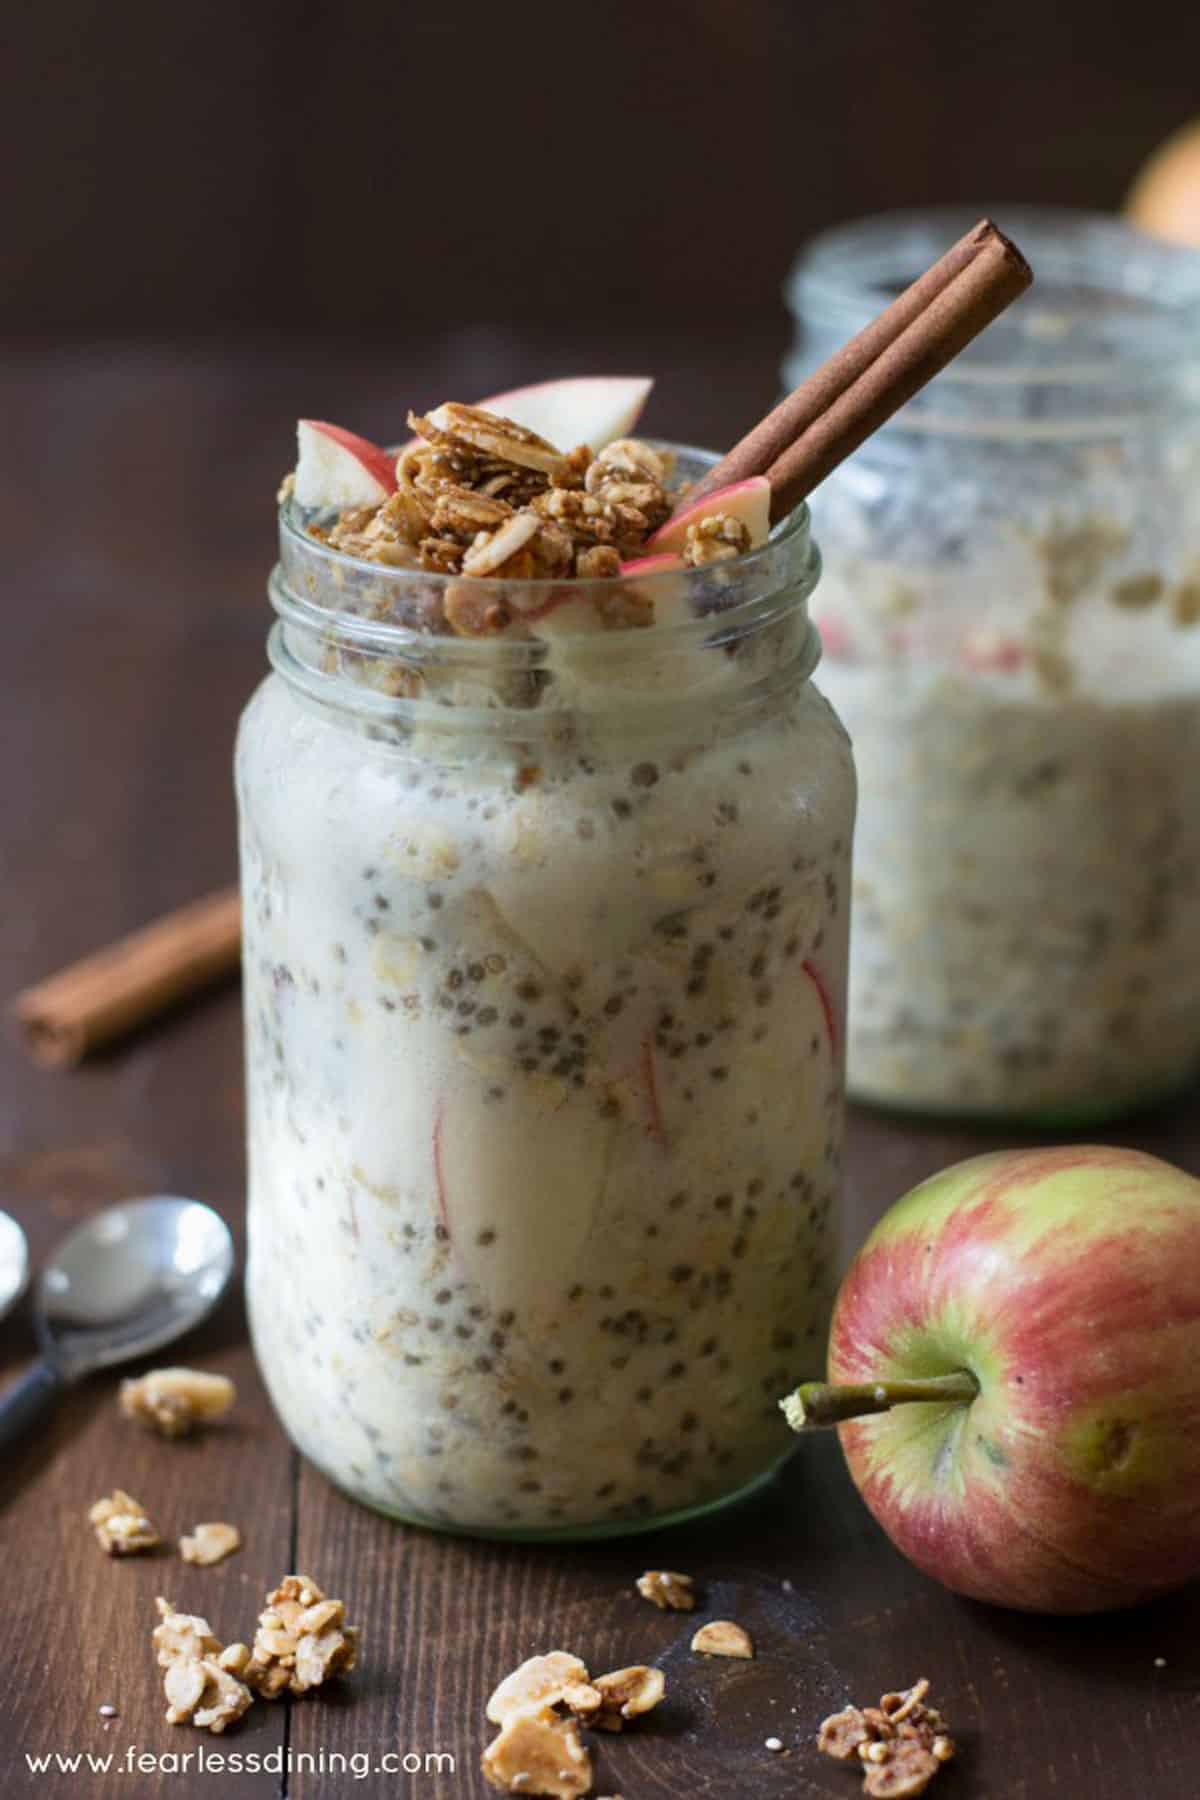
x=540 y=1681
x=301 y=1640
x=1137 y=592
x=590 y=520
x=121 y=1525
x=492 y=552
x=441 y=556
x=718 y=538
x=625 y=1694
x=903 y=1704
x=908 y=1770
x=538 y=1753
x=600 y=562
x=174 y=1401
x=473 y=611
x=630 y=473
x=668 y=1589
x=841 y=1734
x=721 y=1637
x=210 y=1543
x=458 y=512
x=182 y=1637
x=488 y=434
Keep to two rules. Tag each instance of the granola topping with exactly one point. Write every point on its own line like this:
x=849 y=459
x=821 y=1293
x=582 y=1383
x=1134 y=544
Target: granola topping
x=668 y=1589
x=537 y=1752
x=721 y=1637
x=174 y=1402
x=210 y=1543
x=715 y=539
x=301 y=1641
x=121 y=1525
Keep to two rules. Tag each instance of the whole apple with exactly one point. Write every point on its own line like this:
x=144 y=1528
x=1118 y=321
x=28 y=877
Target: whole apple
x=1022 y=1333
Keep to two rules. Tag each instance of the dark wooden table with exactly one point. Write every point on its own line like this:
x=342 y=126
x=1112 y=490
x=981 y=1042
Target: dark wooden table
x=135 y=496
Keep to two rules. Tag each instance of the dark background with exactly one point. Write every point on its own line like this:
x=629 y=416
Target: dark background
x=283 y=165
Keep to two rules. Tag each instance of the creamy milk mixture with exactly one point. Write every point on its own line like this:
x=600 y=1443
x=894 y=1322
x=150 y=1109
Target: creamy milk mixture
x=1027 y=863
x=545 y=1105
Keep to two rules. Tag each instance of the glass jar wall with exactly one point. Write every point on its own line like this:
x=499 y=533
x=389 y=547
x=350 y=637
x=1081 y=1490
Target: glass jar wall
x=1011 y=619
x=545 y=950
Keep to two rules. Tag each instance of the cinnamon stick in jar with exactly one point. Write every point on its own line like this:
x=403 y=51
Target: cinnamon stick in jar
x=111 y=992
x=851 y=395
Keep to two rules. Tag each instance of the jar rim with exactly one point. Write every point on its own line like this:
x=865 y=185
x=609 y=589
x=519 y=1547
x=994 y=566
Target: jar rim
x=1101 y=288
x=311 y=574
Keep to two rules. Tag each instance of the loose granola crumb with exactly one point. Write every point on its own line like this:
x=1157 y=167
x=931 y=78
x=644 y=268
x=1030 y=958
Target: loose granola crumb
x=121 y=1525
x=624 y=1695
x=301 y=1641
x=209 y=1543
x=174 y=1401
x=669 y=1590
x=537 y=1752
x=540 y=1681
x=721 y=1637
x=901 y=1743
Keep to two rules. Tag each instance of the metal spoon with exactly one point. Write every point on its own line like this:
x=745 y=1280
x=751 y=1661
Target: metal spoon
x=126 y=1282
x=14 y=1263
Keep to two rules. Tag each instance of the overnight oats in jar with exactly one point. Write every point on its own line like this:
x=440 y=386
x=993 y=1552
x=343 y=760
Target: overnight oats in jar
x=545 y=840
x=1011 y=620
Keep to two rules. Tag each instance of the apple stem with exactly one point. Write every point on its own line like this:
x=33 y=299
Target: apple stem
x=817 y=1403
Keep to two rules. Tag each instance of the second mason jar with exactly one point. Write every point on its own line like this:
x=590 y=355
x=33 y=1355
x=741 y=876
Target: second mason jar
x=1011 y=617
x=545 y=956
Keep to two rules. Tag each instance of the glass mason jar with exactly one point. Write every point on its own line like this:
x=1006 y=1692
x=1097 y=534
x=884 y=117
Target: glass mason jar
x=1011 y=620
x=545 y=956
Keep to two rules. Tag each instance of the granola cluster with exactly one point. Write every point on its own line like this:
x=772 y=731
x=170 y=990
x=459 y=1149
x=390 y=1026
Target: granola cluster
x=301 y=1642
x=202 y=1678
x=174 y=1402
x=539 y=1709
x=122 y=1525
x=900 y=1744
x=479 y=495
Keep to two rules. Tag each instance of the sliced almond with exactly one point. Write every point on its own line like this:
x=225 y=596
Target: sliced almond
x=721 y=1637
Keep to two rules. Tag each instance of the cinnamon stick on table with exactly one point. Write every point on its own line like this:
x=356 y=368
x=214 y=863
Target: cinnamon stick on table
x=851 y=395
x=119 y=988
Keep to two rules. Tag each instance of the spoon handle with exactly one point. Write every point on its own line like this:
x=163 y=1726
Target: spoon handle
x=27 y=1399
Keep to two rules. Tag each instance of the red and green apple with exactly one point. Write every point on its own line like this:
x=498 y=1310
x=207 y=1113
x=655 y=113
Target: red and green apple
x=1014 y=1370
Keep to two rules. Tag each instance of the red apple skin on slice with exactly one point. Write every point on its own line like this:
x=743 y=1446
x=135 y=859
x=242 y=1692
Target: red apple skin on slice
x=579 y=409
x=1065 y=1280
x=749 y=501
x=335 y=468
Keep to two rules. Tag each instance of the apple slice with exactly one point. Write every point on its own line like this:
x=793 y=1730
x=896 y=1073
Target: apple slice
x=337 y=469
x=652 y=565
x=749 y=501
x=580 y=409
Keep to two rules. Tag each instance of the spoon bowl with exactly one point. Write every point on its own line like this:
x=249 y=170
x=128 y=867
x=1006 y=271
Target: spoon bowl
x=14 y=1263
x=131 y=1279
